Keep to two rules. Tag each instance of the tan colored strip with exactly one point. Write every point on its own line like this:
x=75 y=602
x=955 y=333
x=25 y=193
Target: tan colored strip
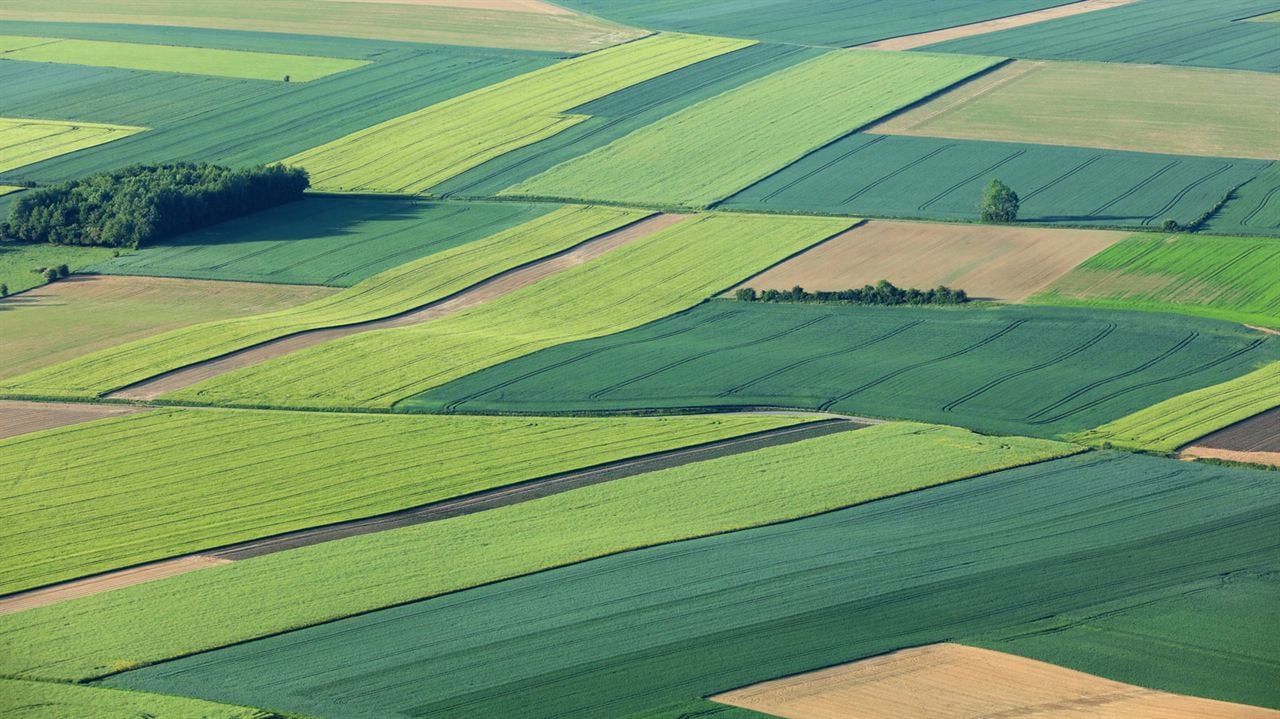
x=105 y=582
x=22 y=417
x=909 y=42
x=530 y=6
x=960 y=682
x=1231 y=455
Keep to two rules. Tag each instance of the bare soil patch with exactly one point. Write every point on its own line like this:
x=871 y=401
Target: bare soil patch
x=1255 y=440
x=530 y=6
x=22 y=417
x=908 y=42
x=1003 y=263
x=105 y=582
x=960 y=682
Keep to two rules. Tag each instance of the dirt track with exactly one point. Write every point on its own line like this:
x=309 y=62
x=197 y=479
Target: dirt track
x=22 y=417
x=532 y=6
x=908 y=42
x=960 y=682
x=491 y=288
x=458 y=506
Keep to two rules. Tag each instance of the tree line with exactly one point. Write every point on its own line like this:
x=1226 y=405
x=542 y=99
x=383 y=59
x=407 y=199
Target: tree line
x=143 y=204
x=883 y=292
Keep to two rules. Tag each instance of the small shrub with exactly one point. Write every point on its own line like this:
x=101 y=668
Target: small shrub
x=50 y=274
x=4 y=290
x=63 y=271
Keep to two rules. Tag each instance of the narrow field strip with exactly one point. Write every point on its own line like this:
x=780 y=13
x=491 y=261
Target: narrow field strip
x=911 y=42
x=389 y=293
x=18 y=417
x=175 y=58
x=182 y=481
x=411 y=153
x=19 y=259
x=23 y=141
x=717 y=147
x=96 y=635
x=1255 y=440
x=49 y=700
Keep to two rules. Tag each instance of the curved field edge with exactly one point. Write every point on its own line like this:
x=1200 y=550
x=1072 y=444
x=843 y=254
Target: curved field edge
x=388 y=293
x=56 y=700
x=1166 y=426
x=107 y=633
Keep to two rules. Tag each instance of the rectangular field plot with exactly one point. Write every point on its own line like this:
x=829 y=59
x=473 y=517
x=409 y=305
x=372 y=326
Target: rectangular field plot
x=715 y=148
x=1169 y=32
x=1215 y=113
x=24 y=142
x=629 y=634
x=174 y=58
x=19 y=261
x=413 y=152
x=1229 y=278
x=935 y=178
x=323 y=241
x=197 y=479
x=1010 y=369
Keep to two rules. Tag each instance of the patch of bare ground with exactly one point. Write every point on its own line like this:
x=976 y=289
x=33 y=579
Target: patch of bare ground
x=1003 y=263
x=960 y=682
x=1255 y=440
x=530 y=6
x=491 y=288
x=909 y=42
x=23 y=417
x=105 y=582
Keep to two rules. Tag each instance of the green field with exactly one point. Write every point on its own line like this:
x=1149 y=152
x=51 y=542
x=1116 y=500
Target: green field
x=20 y=260
x=1254 y=207
x=719 y=146
x=323 y=240
x=391 y=292
x=46 y=700
x=1010 y=369
x=24 y=142
x=1228 y=278
x=9 y=189
x=90 y=636
x=159 y=484
x=423 y=148
x=645 y=280
x=174 y=58
x=634 y=632
x=1168 y=425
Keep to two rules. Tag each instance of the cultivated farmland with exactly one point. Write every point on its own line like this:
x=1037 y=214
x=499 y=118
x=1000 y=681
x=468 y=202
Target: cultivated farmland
x=19 y=262
x=415 y=151
x=136 y=510
x=79 y=639
x=43 y=700
x=719 y=146
x=667 y=272
x=23 y=142
x=1254 y=207
x=394 y=291
x=1256 y=439
x=1008 y=369
x=631 y=633
x=1108 y=105
x=1002 y=263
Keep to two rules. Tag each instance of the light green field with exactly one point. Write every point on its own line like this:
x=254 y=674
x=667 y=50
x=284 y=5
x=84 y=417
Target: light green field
x=159 y=484
x=1166 y=426
x=1269 y=17
x=174 y=58
x=19 y=260
x=7 y=189
x=47 y=700
x=719 y=146
x=415 y=151
x=149 y=622
x=397 y=290
x=645 y=280
x=23 y=142
x=1228 y=278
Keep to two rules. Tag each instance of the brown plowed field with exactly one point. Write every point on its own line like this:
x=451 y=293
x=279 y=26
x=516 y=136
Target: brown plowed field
x=960 y=682
x=22 y=417
x=1001 y=263
x=1255 y=440
x=909 y=42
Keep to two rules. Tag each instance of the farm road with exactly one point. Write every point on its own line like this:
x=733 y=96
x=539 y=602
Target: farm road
x=18 y=417
x=492 y=288
x=910 y=42
x=457 y=506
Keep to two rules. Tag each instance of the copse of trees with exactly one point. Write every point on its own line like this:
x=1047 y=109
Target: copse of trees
x=882 y=293
x=144 y=204
x=999 y=203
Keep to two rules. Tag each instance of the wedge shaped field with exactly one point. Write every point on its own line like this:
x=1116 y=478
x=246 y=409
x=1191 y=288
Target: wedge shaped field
x=24 y=142
x=1230 y=278
x=650 y=278
x=397 y=290
x=165 y=483
x=323 y=240
x=413 y=152
x=1254 y=207
x=719 y=146
x=47 y=700
x=632 y=633
x=85 y=637
x=1008 y=369
x=174 y=58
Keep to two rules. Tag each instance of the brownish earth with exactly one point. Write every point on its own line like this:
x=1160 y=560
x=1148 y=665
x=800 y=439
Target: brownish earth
x=18 y=417
x=105 y=582
x=491 y=288
x=1255 y=440
x=960 y=682
x=1002 y=263
x=532 y=6
x=908 y=42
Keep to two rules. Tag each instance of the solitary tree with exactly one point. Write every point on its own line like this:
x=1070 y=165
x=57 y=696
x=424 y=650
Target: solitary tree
x=999 y=203
x=4 y=290
x=50 y=274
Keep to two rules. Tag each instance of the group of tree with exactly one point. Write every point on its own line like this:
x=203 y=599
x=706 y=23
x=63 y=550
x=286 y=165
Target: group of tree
x=144 y=204
x=999 y=203
x=883 y=292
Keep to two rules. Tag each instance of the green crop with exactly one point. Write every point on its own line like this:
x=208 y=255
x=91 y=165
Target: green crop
x=19 y=262
x=48 y=700
x=23 y=142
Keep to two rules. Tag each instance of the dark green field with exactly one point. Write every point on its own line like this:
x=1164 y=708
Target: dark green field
x=1039 y=371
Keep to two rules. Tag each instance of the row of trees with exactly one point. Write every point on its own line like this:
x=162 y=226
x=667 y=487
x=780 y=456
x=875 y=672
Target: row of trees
x=883 y=292
x=143 y=204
